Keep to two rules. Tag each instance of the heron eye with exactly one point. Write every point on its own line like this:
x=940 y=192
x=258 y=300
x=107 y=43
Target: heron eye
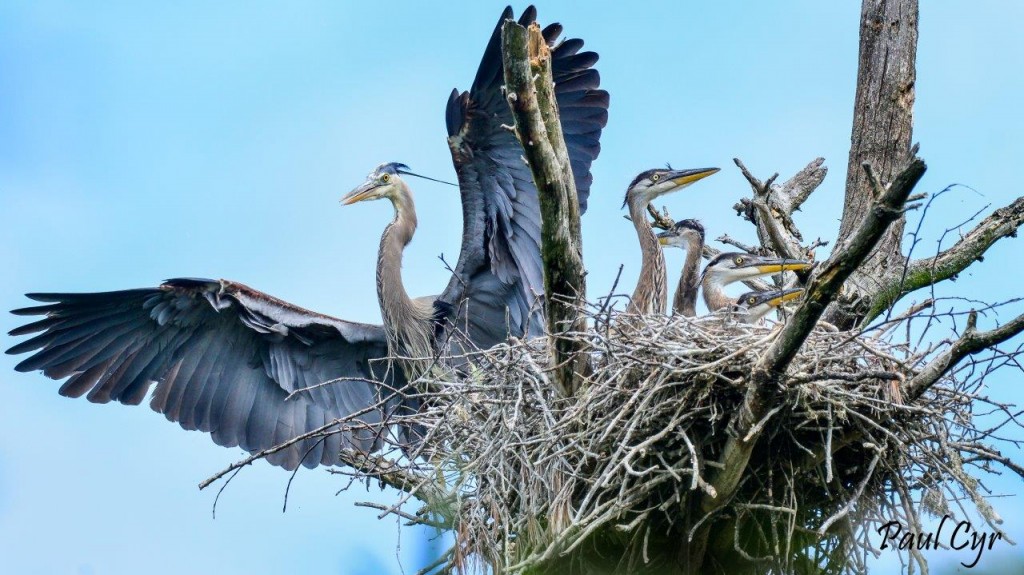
x=751 y=300
x=655 y=177
x=385 y=178
x=738 y=260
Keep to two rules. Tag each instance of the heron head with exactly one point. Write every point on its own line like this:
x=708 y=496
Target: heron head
x=650 y=184
x=755 y=305
x=730 y=267
x=683 y=234
x=384 y=181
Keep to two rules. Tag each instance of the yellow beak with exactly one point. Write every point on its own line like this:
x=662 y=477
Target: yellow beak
x=774 y=268
x=776 y=302
x=686 y=177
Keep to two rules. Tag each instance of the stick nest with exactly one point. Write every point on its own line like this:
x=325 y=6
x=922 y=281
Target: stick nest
x=523 y=477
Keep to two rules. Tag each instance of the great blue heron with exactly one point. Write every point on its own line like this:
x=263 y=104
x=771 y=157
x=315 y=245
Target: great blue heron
x=689 y=235
x=730 y=267
x=225 y=358
x=752 y=306
x=651 y=292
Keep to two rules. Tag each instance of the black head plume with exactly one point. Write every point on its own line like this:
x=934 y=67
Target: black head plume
x=397 y=168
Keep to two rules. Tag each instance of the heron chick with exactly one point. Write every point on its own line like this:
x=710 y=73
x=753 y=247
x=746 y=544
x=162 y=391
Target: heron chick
x=651 y=293
x=731 y=267
x=688 y=235
x=752 y=306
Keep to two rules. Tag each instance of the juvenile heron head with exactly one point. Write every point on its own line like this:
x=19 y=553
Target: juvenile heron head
x=755 y=305
x=384 y=181
x=651 y=184
x=731 y=267
x=684 y=233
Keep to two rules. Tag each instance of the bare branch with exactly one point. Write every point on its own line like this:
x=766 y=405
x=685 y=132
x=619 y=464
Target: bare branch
x=798 y=188
x=971 y=342
x=1002 y=223
x=771 y=208
x=730 y=241
x=660 y=220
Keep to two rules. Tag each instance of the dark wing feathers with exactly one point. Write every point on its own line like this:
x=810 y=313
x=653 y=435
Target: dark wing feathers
x=254 y=371
x=224 y=358
x=499 y=272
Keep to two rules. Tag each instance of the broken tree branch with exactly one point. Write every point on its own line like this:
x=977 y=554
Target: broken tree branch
x=772 y=206
x=531 y=96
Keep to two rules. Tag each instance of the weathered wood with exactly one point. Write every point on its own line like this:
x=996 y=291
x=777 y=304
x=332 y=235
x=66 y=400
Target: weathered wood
x=531 y=96
x=881 y=136
x=772 y=206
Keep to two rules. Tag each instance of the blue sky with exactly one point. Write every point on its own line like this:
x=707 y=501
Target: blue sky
x=142 y=142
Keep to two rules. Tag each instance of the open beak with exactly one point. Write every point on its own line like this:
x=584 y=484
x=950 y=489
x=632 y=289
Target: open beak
x=359 y=194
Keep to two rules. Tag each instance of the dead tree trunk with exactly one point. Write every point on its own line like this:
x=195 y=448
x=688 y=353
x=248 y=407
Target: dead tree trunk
x=883 y=116
x=531 y=96
x=882 y=137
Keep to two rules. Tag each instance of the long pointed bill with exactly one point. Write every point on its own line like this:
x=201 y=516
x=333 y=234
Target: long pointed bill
x=787 y=295
x=363 y=192
x=686 y=177
x=780 y=265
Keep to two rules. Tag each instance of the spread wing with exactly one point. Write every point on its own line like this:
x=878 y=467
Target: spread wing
x=224 y=358
x=499 y=273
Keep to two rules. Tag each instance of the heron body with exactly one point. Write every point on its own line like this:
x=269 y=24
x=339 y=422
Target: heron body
x=651 y=293
x=254 y=371
x=730 y=267
x=689 y=235
x=408 y=322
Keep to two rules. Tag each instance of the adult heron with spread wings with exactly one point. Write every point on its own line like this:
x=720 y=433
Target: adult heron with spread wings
x=255 y=371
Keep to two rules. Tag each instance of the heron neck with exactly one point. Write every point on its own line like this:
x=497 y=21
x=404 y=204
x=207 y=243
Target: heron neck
x=651 y=293
x=407 y=324
x=685 y=300
x=714 y=293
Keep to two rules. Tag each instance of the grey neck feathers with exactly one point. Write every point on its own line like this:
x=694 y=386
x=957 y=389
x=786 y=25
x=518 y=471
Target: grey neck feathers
x=685 y=300
x=651 y=293
x=407 y=323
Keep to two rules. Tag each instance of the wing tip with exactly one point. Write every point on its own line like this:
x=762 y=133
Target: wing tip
x=529 y=16
x=30 y=310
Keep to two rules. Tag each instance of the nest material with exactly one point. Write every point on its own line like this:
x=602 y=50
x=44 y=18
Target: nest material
x=523 y=476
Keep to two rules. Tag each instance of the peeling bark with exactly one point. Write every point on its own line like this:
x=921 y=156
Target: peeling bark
x=531 y=96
